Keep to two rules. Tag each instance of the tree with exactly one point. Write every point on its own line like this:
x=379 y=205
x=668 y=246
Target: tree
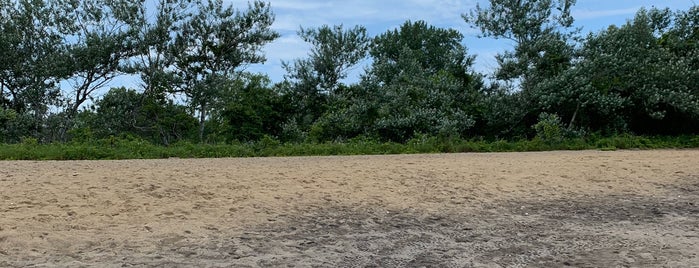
x=153 y=42
x=14 y=126
x=419 y=82
x=99 y=37
x=31 y=49
x=541 y=32
x=682 y=37
x=117 y=113
x=535 y=28
x=247 y=109
x=632 y=78
x=432 y=50
x=103 y=33
x=314 y=80
x=333 y=51
x=213 y=44
x=123 y=112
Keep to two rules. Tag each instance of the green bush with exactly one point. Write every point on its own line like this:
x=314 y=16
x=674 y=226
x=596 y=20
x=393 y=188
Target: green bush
x=129 y=147
x=549 y=128
x=29 y=141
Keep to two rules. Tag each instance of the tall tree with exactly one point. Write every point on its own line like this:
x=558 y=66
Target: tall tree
x=153 y=61
x=536 y=28
x=433 y=50
x=638 y=77
x=334 y=50
x=541 y=31
x=419 y=82
x=99 y=37
x=103 y=38
x=31 y=46
x=682 y=38
x=213 y=44
x=154 y=41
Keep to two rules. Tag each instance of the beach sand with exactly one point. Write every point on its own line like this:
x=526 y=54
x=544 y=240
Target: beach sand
x=538 y=209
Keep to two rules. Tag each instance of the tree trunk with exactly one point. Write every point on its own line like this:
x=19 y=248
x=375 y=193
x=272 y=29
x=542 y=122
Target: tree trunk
x=202 y=120
x=575 y=114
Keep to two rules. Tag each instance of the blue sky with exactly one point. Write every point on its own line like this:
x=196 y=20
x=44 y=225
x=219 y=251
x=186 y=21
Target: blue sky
x=379 y=16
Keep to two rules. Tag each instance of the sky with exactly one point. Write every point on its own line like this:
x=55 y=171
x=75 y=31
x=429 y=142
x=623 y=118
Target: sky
x=379 y=16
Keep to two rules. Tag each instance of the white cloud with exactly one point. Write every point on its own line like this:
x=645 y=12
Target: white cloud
x=584 y=14
x=301 y=5
x=286 y=48
x=287 y=23
x=365 y=12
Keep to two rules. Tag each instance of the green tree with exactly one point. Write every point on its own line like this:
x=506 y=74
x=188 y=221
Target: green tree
x=153 y=43
x=431 y=49
x=30 y=51
x=638 y=77
x=214 y=43
x=117 y=113
x=123 y=112
x=247 y=109
x=103 y=33
x=536 y=28
x=314 y=80
x=99 y=37
x=334 y=51
x=682 y=37
x=14 y=126
x=419 y=82
x=541 y=32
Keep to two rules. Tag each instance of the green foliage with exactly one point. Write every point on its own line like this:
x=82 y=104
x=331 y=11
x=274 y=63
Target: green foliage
x=153 y=41
x=30 y=52
x=541 y=49
x=549 y=128
x=14 y=125
x=96 y=50
x=246 y=110
x=125 y=112
x=29 y=141
x=134 y=148
x=213 y=43
x=334 y=50
x=11 y=126
x=419 y=83
x=291 y=132
x=419 y=46
x=116 y=112
x=628 y=79
x=313 y=82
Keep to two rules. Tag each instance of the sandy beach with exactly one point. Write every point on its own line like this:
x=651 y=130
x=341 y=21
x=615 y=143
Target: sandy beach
x=540 y=209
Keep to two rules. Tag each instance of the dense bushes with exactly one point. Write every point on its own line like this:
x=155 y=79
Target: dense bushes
x=118 y=148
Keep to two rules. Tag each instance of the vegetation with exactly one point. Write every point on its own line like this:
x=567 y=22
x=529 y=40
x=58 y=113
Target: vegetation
x=629 y=86
x=133 y=148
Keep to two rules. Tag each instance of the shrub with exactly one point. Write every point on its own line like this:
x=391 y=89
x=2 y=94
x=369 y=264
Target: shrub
x=549 y=129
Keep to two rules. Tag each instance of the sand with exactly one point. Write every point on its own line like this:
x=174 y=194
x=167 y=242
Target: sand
x=544 y=209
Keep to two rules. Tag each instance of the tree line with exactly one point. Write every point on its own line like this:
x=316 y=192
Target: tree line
x=58 y=57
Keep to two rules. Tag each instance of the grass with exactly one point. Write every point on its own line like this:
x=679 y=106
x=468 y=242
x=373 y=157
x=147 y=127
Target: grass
x=139 y=149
